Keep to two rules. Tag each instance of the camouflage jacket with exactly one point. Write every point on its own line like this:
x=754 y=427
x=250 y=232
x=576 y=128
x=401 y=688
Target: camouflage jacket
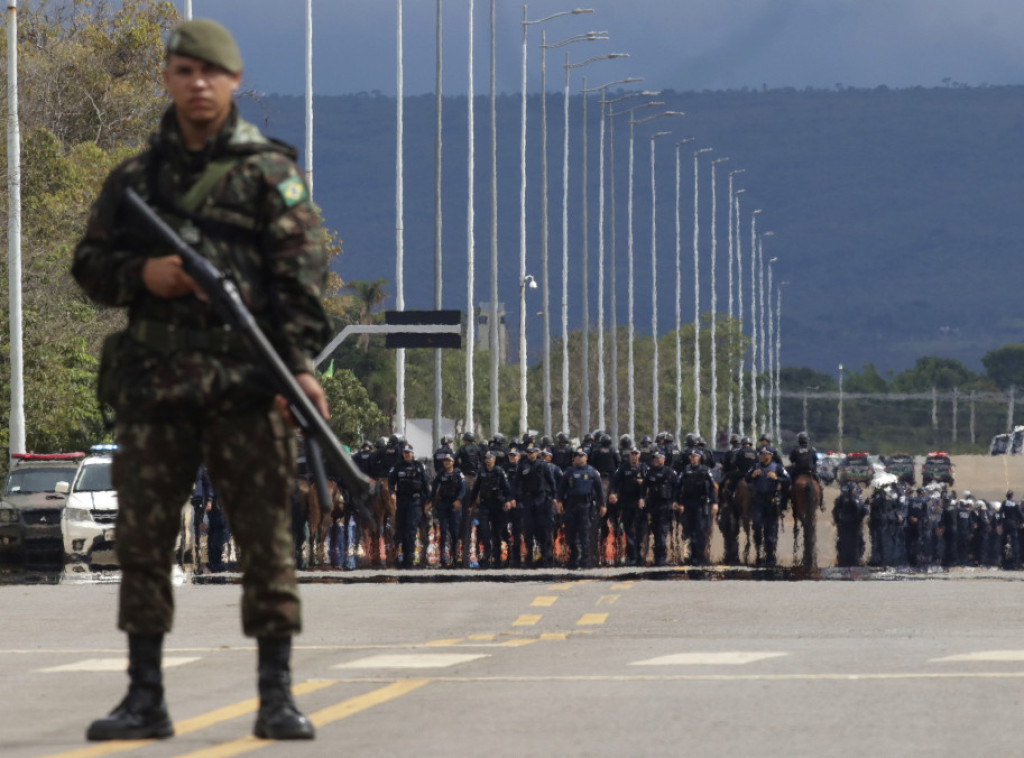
x=256 y=222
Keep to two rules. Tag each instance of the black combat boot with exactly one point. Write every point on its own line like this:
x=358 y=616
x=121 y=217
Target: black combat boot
x=143 y=713
x=278 y=717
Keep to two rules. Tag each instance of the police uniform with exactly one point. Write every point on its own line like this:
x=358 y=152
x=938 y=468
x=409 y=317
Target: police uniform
x=1012 y=522
x=658 y=492
x=696 y=493
x=765 y=511
x=535 y=493
x=409 y=484
x=469 y=459
x=848 y=514
x=579 y=492
x=491 y=489
x=186 y=389
x=626 y=485
x=448 y=493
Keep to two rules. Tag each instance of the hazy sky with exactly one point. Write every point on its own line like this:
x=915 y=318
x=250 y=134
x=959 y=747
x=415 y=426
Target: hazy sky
x=678 y=44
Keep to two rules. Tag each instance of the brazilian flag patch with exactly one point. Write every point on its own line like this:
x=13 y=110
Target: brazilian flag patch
x=292 y=190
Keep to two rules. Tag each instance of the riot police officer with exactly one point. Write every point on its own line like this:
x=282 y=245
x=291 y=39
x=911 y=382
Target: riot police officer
x=363 y=458
x=446 y=497
x=767 y=479
x=1013 y=520
x=514 y=510
x=848 y=514
x=443 y=449
x=536 y=490
x=579 y=493
x=624 y=492
x=409 y=485
x=696 y=495
x=657 y=499
x=491 y=493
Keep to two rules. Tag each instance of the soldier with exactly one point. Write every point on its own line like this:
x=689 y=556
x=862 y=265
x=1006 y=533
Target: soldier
x=624 y=493
x=185 y=388
x=657 y=499
x=410 y=486
x=446 y=496
x=696 y=494
x=578 y=494
x=1012 y=522
x=767 y=478
x=490 y=494
x=536 y=490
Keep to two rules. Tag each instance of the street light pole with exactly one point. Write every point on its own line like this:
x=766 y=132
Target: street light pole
x=714 y=306
x=840 y=408
x=655 y=388
x=732 y=325
x=740 y=354
x=696 y=289
x=679 y=298
x=761 y=318
x=753 y=322
x=470 y=424
x=522 y=209
x=526 y=281
x=399 y=423
x=778 y=351
x=771 y=351
x=495 y=336
x=438 y=395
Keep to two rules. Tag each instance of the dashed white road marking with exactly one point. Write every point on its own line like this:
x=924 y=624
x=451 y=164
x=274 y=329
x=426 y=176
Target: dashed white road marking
x=411 y=661
x=1003 y=656
x=109 y=664
x=708 y=659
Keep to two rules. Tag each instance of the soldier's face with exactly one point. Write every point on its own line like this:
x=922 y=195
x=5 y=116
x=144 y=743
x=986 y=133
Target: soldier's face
x=201 y=91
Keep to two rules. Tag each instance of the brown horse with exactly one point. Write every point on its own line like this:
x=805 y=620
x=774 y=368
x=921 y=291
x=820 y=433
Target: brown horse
x=376 y=520
x=733 y=515
x=805 y=495
x=320 y=520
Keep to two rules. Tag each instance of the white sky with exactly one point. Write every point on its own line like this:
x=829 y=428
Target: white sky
x=678 y=44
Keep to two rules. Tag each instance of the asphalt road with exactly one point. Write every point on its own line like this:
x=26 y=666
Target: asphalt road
x=605 y=665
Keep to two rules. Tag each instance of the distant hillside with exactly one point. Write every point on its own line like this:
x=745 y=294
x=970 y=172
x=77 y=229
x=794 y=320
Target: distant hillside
x=896 y=212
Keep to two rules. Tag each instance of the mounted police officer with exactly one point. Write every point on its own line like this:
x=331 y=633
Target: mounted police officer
x=185 y=388
x=767 y=479
x=410 y=486
x=657 y=500
x=447 y=494
x=363 y=458
x=579 y=493
x=490 y=494
x=696 y=494
x=535 y=499
x=624 y=492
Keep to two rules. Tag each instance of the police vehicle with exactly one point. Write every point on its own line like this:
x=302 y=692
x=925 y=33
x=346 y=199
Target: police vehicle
x=31 y=507
x=87 y=522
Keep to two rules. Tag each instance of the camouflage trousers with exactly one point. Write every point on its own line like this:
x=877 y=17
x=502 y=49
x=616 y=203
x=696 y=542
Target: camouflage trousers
x=251 y=461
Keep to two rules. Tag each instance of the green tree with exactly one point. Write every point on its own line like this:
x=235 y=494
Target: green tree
x=929 y=372
x=1005 y=366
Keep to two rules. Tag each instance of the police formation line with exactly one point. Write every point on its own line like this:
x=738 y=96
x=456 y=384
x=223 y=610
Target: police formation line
x=533 y=502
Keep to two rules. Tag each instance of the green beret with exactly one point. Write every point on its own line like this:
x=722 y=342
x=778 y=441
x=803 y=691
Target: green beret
x=208 y=41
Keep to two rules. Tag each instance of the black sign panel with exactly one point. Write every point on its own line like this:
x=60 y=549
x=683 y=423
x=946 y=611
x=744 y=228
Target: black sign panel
x=446 y=339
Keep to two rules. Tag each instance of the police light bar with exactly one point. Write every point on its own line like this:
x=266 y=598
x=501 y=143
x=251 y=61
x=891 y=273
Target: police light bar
x=47 y=456
x=104 y=447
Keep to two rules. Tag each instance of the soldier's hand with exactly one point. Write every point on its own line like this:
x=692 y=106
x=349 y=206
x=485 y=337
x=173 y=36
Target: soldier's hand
x=314 y=392
x=772 y=475
x=166 y=277
x=613 y=499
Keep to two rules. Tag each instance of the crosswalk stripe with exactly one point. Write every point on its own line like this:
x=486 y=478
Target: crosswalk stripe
x=411 y=661
x=708 y=659
x=102 y=665
x=592 y=619
x=544 y=601
x=1003 y=656
x=527 y=619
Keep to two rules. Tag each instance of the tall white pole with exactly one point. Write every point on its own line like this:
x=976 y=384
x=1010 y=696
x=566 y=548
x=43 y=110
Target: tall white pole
x=438 y=381
x=732 y=325
x=630 y=331
x=585 y=243
x=399 y=423
x=655 y=373
x=613 y=317
x=188 y=9
x=309 y=95
x=696 y=289
x=741 y=354
x=753 y=322
x=16 y=429
x=565 y=250
x=770 y=344
x=762 y=343
x=778 y=351
x=713 y=439
x=495 y=337
x=523 y=417
x=470 y=424
x=544 y=232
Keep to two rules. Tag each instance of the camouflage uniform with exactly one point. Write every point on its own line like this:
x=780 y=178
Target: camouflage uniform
x=185 y=387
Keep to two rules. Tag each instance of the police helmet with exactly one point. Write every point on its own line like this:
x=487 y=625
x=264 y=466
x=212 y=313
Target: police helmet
x=546 y=441
x=691 y=439
x=734 y=439
x=528 y=437
x=1009 y=494
x=700 y=441
x=588 y=437
x=446 y=440
x=562 y=438
x=745 y=440
x=468 y=437
x=645 y=440
x=803 y=439
x=596 y=434
x=382 y=443
x=498 y=439
x=669 y=439
x=659 y=437
x=367 y=444
x=393 y=439
x=764 y=437
x=606 y=439
x=625 y=442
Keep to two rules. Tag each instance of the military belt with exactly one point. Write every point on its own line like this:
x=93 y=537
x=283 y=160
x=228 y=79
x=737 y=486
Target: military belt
x=167 y=338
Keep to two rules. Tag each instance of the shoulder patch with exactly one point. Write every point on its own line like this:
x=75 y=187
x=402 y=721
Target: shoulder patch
x=292 y=190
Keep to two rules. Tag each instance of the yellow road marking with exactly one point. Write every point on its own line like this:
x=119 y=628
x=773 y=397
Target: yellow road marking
x=444 y=643
x=481 y=636
x=592 y=619
x=555 y=636
x=527 y=619
x=607 y=599
x=519 y=642
x=187 y=726
x=544 y=601
x=319 y=719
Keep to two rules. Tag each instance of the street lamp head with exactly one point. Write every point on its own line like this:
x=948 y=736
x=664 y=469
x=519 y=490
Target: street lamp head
x=716 y=161
x=772 y=260
x=737 y=171
x=659 y=134
x=703 y=150
x=757 y=212
x=739 y=192
x=580 y=11
x=529 y=281
x=766 y=234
